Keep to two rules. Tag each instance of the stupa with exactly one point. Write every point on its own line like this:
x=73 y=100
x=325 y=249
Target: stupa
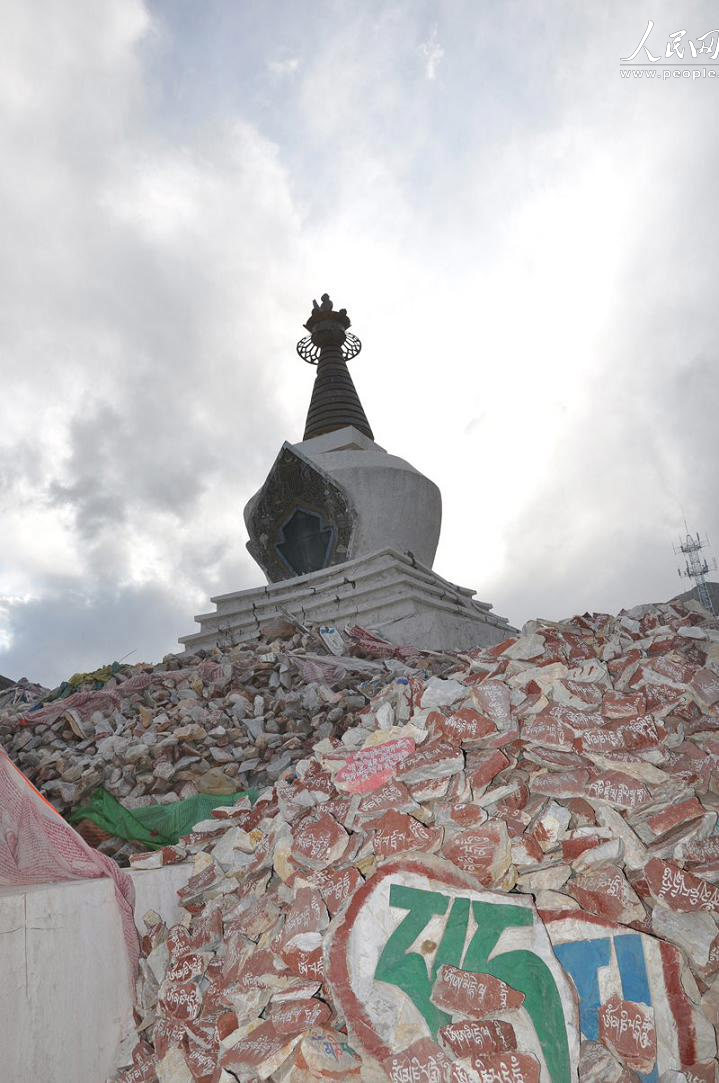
x=345 y=532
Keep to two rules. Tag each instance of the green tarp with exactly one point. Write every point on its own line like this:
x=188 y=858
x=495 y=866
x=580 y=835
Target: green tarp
x=154 y=826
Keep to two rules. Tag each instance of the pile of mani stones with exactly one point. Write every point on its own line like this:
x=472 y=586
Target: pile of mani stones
x=213 y=723
x=505 y=871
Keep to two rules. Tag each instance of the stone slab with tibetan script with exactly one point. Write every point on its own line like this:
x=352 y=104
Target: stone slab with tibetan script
x=409 y=937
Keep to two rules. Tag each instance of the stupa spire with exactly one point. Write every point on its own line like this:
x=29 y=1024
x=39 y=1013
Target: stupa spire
x=329 y=345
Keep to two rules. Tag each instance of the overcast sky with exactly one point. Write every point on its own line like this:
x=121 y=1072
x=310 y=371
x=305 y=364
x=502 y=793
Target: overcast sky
x=526 y=243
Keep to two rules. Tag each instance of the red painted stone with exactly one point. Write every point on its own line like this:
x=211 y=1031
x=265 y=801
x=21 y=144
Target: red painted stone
x=430 y=790
x=318 y=840
x=623 y=705
x=424 y=1060
x=619 y=790
x=703 y=852
x=483 y=851
x=142 y=1070
x=255 y=917
x=206 y=933
x=674 y=815
x=186 y=968
x=680 y=890
x=318 y=781
x=674 y=668
x=471 y=1036
x=492 y=699
x=396 y=832
x=661 y=698
x=337 y=886
x=201 y=881
x=339 y=807
x=605 y=891
x=437 y=759
x=574 y=846
x=203 y=1050
x=573 y=783
x=484 y=766
x=617 y=666
x=371 y=768
x=296 y=1016
x=323 y=1057
x=506 y=1068
x=570 y=716
x=260 y=1046
x=307 y=914
x=627 y=1030
x=579 y=692
x=302 y=963
x=705 y=686
x=258 y=971
x=513 y=802
x=393 y=795
x=182 y=1001
x=465 y=726
x=701 y=1073
x=600 y=741
x=477 y=996
x=548 y=732
x=166 y=1033
x=468 y=815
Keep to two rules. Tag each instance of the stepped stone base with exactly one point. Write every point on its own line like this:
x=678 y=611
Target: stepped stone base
x=385 y=591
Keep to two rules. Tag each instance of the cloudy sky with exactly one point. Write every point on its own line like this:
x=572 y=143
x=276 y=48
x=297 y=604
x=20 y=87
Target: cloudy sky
x=526 y=242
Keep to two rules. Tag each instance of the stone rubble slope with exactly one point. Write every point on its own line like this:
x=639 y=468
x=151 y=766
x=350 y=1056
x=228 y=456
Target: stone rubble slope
x=215 y=723
x=506 y=872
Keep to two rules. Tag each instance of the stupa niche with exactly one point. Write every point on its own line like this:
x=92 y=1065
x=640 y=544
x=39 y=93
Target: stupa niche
x=344 y=531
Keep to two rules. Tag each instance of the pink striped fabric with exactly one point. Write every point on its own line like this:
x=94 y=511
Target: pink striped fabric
x=38 y=847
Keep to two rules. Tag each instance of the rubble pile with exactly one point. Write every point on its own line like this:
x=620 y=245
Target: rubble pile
x=214 y=723
x=505 y=872
x=20 y=693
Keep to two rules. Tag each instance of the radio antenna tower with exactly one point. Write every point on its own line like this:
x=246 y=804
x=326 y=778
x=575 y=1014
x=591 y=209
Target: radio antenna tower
x=696 y=567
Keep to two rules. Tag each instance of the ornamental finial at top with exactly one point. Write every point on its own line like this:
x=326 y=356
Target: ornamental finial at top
x=328 y=328
x=325 y=312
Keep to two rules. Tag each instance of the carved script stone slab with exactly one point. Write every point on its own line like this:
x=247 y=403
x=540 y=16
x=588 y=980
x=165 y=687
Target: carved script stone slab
x=181 y=1001
x=506 y=1068
x=484 y=851
x=424 y=1060
x=371 y=768
x=606 y=960
x=260 y=1052
x=320 y=1056
x=475 y=995
x=337 y=885
x=628 y=1031
x=395 y=832
x=680 y=890
x=466 y=725
x=318 y=841
x=471 y=1037
x=296 y=1016
x=385 y=951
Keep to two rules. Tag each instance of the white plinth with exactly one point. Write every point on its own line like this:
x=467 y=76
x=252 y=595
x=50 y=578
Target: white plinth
x=385 y=591
x=65 y=1000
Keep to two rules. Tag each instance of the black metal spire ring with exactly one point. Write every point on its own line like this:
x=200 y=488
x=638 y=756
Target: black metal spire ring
x=310 y=352
x=335 y=403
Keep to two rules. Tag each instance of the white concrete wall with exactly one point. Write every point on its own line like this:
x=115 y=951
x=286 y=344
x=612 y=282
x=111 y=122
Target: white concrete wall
x=64 y=991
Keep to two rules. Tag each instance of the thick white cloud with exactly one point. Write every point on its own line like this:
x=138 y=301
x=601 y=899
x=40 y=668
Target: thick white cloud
x=525 y=241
